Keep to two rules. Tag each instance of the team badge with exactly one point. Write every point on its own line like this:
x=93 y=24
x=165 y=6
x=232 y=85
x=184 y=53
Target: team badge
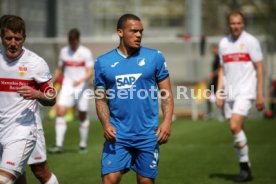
x=242 y=46
x=141 y=62
x=22 y=70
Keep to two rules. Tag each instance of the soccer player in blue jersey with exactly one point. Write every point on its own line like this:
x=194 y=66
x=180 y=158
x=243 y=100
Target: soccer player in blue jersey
x=127 y=80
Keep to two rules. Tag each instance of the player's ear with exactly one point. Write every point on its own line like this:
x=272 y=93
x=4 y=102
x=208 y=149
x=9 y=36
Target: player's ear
x=120 y=33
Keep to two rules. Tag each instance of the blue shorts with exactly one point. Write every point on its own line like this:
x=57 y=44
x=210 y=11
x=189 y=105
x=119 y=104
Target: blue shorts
x=141 y=155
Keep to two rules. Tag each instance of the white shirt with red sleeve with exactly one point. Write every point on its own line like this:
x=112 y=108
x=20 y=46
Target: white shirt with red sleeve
x=237 y=58
x=75 y=64
x=17 y=118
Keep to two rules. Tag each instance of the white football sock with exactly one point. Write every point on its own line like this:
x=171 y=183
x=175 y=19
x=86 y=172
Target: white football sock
x=61 y=127
x=212 y=98
x=84 y=130
x=241 y=147
x=52 y=180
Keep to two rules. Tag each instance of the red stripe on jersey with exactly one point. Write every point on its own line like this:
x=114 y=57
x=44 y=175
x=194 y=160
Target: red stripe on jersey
x=12 y=85
x=46 y=86
x=74 y=63
x=236 y=57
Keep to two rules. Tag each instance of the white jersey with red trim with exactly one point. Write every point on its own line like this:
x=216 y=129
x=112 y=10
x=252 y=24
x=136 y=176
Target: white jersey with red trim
x=237 y=58
x=75 y=64
x=17 y=115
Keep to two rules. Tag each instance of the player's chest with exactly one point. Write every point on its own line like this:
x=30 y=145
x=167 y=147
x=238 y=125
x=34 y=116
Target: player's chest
x=128 y=69
x=235 y=52
x=17 y=70
x=235 y=47
x=72 y=56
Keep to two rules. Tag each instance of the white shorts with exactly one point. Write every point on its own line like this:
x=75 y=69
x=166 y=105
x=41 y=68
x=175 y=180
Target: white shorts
x=14 y=155
x=69 y=97
x=39 y=153
x=240 y=106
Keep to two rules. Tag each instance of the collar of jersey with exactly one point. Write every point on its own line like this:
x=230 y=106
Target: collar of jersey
x=242 y=33
x=120 y=53
x=15 y=59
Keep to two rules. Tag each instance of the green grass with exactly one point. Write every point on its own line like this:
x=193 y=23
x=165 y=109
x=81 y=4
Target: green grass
x=198 y=153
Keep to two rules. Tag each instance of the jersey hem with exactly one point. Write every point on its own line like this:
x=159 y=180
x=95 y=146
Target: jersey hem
x=163 y=78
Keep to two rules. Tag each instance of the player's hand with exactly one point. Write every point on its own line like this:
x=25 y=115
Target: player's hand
x=110 y=133
x=163 y=133
x=76 y=83
x=28 y=92
x=260 y=100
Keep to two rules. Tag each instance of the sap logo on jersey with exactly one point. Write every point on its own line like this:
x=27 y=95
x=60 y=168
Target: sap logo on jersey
x=126 y=81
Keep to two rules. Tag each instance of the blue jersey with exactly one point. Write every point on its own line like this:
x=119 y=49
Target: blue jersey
x=131 y=85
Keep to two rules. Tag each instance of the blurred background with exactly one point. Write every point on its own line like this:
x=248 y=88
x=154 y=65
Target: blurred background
x=183 y=30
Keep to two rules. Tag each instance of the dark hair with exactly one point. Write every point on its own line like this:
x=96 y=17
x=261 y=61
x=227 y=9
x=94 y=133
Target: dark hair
x=14 y=23
x=3 y=18
x=122 y=20
x=235 y=12
x=74 y=34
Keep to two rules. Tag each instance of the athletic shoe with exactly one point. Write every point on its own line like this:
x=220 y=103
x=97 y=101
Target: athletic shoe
x=83 y=150
x=55 y=149
x=245 y=173
x=244 y=176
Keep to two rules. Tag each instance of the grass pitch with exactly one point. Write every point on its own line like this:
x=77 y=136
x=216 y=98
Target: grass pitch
x=199 y=152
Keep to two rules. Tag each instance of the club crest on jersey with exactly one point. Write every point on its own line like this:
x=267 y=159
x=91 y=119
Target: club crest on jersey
x=22 y=70
x=126 y=81
x=141 y=62
x=242 y=46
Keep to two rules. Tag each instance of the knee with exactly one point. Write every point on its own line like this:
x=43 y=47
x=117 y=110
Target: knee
x=235 y=129
x=82 y=116
x=111 y=178
x=41 y=172
x=61 y=111
x=143 y=180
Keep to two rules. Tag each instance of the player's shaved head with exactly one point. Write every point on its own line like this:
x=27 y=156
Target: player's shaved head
x=14 y=23
x=122 y=20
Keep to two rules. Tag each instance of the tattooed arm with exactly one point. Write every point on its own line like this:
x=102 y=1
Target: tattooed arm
x=167 y=106
x=104 y=115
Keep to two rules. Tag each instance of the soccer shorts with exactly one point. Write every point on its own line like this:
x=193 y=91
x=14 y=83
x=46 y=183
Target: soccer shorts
x=240 y=106
x=39 y=153
x=69 y=97
x=142 y=156
x=14 y=155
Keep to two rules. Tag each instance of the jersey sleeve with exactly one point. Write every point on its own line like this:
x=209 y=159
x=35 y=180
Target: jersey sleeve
x=42 y=73
x=161 y=68
x=43 y=76
x=99 y=82
x=89 y=62
x=220 y=53
x=255 y=51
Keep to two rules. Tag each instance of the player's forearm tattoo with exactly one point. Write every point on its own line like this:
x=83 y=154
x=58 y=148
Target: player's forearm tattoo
x=47 y=100
x=167 y=107
x=102 y=111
